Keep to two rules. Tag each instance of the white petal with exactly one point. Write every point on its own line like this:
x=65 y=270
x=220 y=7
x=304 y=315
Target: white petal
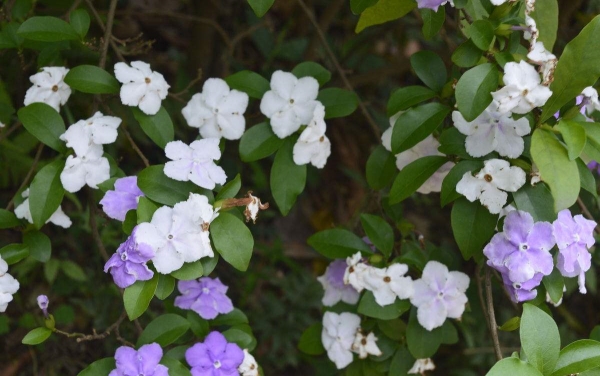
x=283 y=83
x=150 y=103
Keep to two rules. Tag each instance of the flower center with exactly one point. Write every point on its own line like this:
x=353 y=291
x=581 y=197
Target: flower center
x=205 y=290
x=387 y=279
x=523 y=247
x=322 y=139
x=291 y=101
x=488 y=178
x=124 y=256
x=363 y=341
x=170 y=237
x=148 y=80
x=440 y=294
x=55 y=88
x=217 y=364
x=517 y=286
x=576 y=237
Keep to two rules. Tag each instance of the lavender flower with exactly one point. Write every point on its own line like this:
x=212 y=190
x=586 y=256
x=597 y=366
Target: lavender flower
x=128 y=264
x=43 y=302
x=574 y=235
x=125 y=197
x=214 y=357
x=141 y=362
x=521 y=292
x=431 y=4
x=205 y=296
x=335 y=288
x=594 y=166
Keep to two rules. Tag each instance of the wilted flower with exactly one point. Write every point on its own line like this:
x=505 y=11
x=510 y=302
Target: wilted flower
x=313 y=146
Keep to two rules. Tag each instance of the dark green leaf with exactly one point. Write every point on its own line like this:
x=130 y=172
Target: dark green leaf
x=588 y=182
x=145 y=210
x=91 y=79
x=406 y=97
x=554 y=284
x=137 y=297
x=337 y=102
x=359 y=6
x=411 y=177
x=36 y=336
x=176 y=368
x=243 y=338
x=162 y=189
x=72 y=270
x=45 y=124
x=473 y=90
x=513 y=366
x=165 y=287
x=539 y=338
x=310 y=341
x=545 y=15
x=577 y=357
x=259 y=142
x=574 y=136
x=287 y=178
x=534 y=200
x=430 y=68
x=14 y=253
x=312 y=69
x=432 y=21
x=235 y=317
x=381 y=168
x=338 y=243
x=384 y=11
x=482 y=34
x=448 y=193
x=198 y=325
x=467 y=55
x=40 y=247
x=100 y=367
x=380 y=233
x=130 y=222
x=369 y=307
x=164 y=330
x=233 y=240
x=249 y=82
x=416 y=124
x=80 y=21
x=8 y=219
x=230 y=189
x=421 y=342
x=472 y=226
x=189 y=271
x=158 y=127
x=46 y=192
x=47 y=29
x=452 y=142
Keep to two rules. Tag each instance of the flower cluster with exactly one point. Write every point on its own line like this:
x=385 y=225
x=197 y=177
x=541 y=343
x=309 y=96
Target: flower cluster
x=521 y=253
x=8 y=286
x=205 y=296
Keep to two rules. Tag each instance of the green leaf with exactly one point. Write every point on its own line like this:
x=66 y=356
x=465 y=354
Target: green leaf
x=158 y=127
x=452 y=142
x=448 y=193
x=473 y=90
x=45 y=124
x=242 y=336
x=232 y=240
x=545 y=15
x=588 y=182
x=412 y=176
x=556 y=170
x=165 y=287
x=287 y=178
x=260 y=7
x=46 y=192
x=137 y=297
x=578 y=357
x=539 y=338
x=72 y=270
x=380 y=233
x=359 y=6
x=164 y=190
x=381 y=168
x=482 y=34
x=198 y=325
x=401 y=363
x=384 y=11
x=176 y=368
x=145 y=210
x=40 y=247
x=338 y=243
x=510 y=325
x=230 y=189
x=432 y=21
x=406 y=97
x=416 y=124
x=421 y=342
x=93 y=80
x=189 y=271
x=337 y=102
x=8 y=219
x=164 y=330
x=310 y=340
x=249 y=82
x=577 y=68
x=14 y=253
x=369 y=307
x=534 y=200
x=100 y=367
x=36 y=336
x=47 y=29
x=130 y=222
x=466 y=55
x=554 y=284
x=513 y=366
x=51 y=269
x=312 y=69
x=235 y=317
x=430 y=68
x=574 y=136
x=80 y=21
x=259 y=142
x=473 y=226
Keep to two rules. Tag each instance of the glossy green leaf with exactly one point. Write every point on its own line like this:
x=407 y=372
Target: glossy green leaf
x=466 y=55
x=46 y=192
x=165 y=287
x=421 y=342
x=72 y=270
x=577 y=357
x=14 y=253
x=510 y=325
x=137 y=297
x=235 y=317
x=310 y=340
x=554 y=284
x=473 y=226
x=482 y=34
x=164 y=330
x=92 y=79
x=416 y=124
x=259 y=142
x=45 y=124
x=100 y=367
x=406 y=97
x=176 y=368
x=249 y=82
x=337 y=243
x=574 y=136
x=534 y=200
x=448 y=193
x=432 y=21
x=36 y=336
x=412 y=176
x=381 y=168
x=80 y=21
x=47 y=29
x=162 y=189
x=588 y=182
x=452 y=142
x=230 y=189
x=337 y=102
x=287 y=178
x=8 y=219
x=242 y=336
x=312 y=69
x=145 y=210
x=384 y=11
x=158 y=127
x=473 y=90
x=199 y=326
x=369 y=307
x=260 y=7
x=40 y=247
x=233 y=240
x=430 y=68
x=380 y=233
x=513 y=366
x=189 y=271
x=545 y=15
x=539 y=338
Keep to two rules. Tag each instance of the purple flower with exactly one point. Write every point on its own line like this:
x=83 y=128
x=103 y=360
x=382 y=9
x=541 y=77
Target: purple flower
x=523 y=249
x=205 y=296
x=214 y=357
x=594 y=166
x=334 y=286
x=43 y=302
x=431 y=4
x=125 y=197
x=574 y=235
x=520 y=292
x=128 y=264
x=141 y=362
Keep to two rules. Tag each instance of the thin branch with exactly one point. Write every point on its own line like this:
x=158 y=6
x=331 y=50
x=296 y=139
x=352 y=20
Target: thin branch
x=480 y=293
x=108 y=32
x=338 y=67
x=91 y=337
x=587 y=213
x=94 y=226
x=492 y=315
x=10 y=130
x=135 y=147
x=75 y=5
x=36 y=160
x=113 y=45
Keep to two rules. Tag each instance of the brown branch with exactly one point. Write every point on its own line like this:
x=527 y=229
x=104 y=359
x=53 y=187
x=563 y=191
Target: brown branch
x=10 y=130
x=135 y=147
x=74 y=6
x=95 y=336
x=113 y=45
x=94 y=225
x=36 y=160
x=492 y=315
x=108 y=32
x=339 y=68
x=587 y=213
x=480 y=293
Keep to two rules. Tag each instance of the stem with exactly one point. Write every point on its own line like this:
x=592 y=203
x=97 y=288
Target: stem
x=492 y=315
x=108 y=33
x=29 y=174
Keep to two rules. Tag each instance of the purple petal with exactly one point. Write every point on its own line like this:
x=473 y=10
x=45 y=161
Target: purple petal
x=126 y=360
x=121 y=277
x=198 y=355
x=541 y=236
x=216 y=342
x=149 y=356
x=232 y=357
x=517 y=225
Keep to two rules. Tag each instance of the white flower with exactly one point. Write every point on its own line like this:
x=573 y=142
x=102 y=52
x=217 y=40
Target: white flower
x=195 y=162
x=523 y=91
x=339 y=331
x=439 y=294
x=290 y=102
x=422 y=365
x=355 y=272
x=59 y=217
x=591 y=100
x=90 y=168
x=2 y=125
x=493 y=131
x=427 y=147
x=179 y=234
x=545 y=59
x=99 y=129
x=365 y=345
x=217 y=111
x=141 y=86
x=490 y=183
x=313 y=146
x=49 y=87
x=249 y=367
x=389 y=283
x=8 y=286
x=498 y=2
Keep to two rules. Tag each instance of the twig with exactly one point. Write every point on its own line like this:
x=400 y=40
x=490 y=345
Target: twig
x=492 y=315
x=94 y=226
x=38 y=154
x=587 y=213
x=108 y=32
x=75 y=5
x=113 y=45
x=10 y=130
x=135 y=147
x=480 y=293
x=90 y=337
x=338 y=67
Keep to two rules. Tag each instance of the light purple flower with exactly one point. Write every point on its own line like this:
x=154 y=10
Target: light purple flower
x=520 y=292
x=125 y=197
x=141 y=362
x=594 y=166
x=43 y=301
x=205 y=296
x=523 y=249
x=128 y=264
x=214 y=357
x=431 y=4
x=335 y=288
x=574 y=236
